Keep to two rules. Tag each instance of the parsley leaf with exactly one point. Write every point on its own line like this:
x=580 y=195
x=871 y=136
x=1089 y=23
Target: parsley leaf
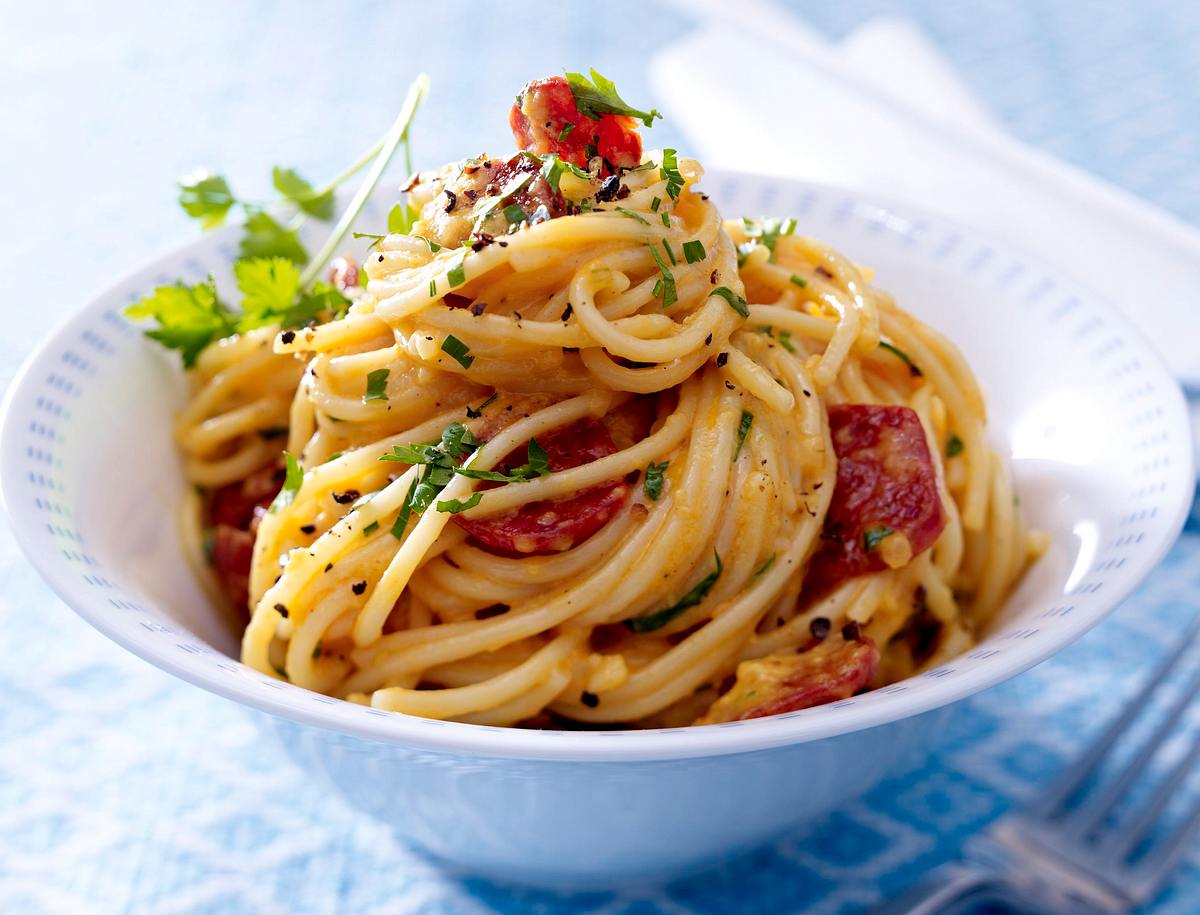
x=693 y=251
x=401 y=218
x=265 y=237
x=736 y=302
x=669 y=172
x=206 y=197
x=875 y=536
x=632 y=215
x=269 y=286
x=189 y=317
x=598 y=96
x=665 y=287
x=660 y=618
x=744 y=425
x=302 y=193
x=768 y=231
x=376 y=385
x=291 y=483
x=454 y=506
x=458 y=351
x=654 y=479
x=902 y=356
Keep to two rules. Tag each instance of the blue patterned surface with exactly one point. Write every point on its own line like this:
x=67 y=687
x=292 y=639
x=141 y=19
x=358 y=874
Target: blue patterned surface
x=122 y=789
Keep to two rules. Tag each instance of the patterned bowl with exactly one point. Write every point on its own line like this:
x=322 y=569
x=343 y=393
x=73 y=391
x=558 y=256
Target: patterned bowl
x=1095 y=428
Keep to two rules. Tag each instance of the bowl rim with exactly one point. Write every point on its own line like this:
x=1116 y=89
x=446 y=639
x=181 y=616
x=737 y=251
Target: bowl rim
x=879 y=708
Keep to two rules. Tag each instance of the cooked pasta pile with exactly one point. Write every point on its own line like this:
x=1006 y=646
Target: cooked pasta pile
x=615 y=462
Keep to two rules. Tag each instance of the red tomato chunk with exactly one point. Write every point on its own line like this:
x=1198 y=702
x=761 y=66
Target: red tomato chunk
x=545 y=109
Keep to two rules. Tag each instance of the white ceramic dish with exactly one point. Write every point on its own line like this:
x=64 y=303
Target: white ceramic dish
x=1095 y=427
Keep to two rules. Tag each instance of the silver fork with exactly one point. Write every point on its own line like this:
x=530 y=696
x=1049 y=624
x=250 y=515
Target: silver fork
x=1075 y=850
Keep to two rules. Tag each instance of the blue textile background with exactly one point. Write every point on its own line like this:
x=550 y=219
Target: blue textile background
x=124 y=790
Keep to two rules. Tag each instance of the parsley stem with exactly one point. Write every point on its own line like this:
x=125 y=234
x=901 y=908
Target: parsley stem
x=395 y=136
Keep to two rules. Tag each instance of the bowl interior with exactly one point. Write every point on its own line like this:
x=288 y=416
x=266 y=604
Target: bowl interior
x=1094 y=427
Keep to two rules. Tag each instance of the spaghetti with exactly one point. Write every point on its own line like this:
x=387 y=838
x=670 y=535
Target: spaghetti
x=581 y=452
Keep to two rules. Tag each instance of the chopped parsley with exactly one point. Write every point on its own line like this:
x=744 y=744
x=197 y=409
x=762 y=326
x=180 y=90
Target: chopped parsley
x=736 y=302
x=292 y=481
x=370 y=528
x=954 y=445
x=441 y=462
x=565 y=132
x=433 y=288
x=632 y=215
x=457 y=275
x=693 y=251
x=454 y=506
x=376 y=385
x=666 y=218
x=654 y=479
x=660 y=618
x=669 y=172
x=744 y=425
x=875 y=536
x=797 y=281
x=513 y=214
x=670 y=254
x=655 y=204
x=902 y=356
x=785 y=340
x=401 y=218
x=458 y=351
x=665 y=287
x=768 y=231
x=598 y=96
x=765 y=567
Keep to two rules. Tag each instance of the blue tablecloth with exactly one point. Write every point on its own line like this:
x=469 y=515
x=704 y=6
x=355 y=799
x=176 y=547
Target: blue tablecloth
x=124 y=790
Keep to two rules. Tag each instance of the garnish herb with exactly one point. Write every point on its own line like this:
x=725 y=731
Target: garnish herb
x=736 y=302
x=274 y=290
x=401 y=218
x=375 y=239
x=954 y=445
x=458 y=351
x=670 y=254
x=744 y=425
x=669 y=171
x=457 y=275
x=902 y=356
x=666 y=218
x=433 y=288
x=660 y=618
x=376 y=385
x=632 y=215
x=454 y=506
x=875 y=536
x=693 y=251
x=317 y=649
x=768 y=231
x=798 y=280
x=514 y=214
x=292 y=481
x=655 y=204
x=785 y=340
x=654 y=479
x=665 y=287
x=441 y=463
x=370 y=528
x=565 y=132
x=598 y=96
x=765 y=567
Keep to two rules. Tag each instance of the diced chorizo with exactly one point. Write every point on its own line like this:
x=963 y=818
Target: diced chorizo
x=786 y=682
x=886 y=489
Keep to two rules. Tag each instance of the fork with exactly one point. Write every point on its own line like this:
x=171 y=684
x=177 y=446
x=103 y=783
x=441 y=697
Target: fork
x=1074 y=850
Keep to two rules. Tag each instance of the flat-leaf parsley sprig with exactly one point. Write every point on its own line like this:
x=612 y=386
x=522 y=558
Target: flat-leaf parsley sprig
x=274 y=290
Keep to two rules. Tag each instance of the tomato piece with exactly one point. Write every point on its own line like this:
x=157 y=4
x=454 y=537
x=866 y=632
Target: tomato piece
x=834 y=669
x=886 y=481
x=556 y=524
x=545 y=108
x=232 y=551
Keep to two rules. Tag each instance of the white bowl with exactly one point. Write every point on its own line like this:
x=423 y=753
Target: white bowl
x=1094 y=426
